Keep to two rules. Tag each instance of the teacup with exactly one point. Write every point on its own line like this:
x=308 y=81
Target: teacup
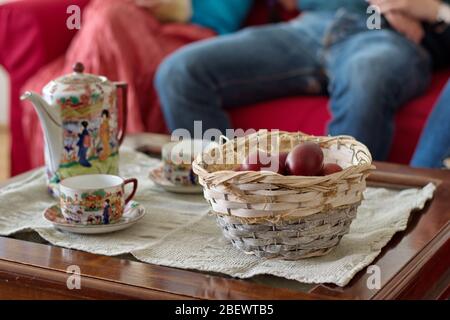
x=94 y=198
x=177 y=160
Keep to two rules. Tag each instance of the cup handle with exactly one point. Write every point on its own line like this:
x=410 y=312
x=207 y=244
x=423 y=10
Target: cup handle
x=123 y=110
x=135 y=185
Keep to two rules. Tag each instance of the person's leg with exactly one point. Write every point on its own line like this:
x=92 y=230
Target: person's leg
x=372 y=74
x=199 y=81
x=434 y=144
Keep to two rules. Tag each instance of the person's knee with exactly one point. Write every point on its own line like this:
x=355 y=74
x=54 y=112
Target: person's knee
x=166 y=74
x=375 y=84
x=373 y=75
x=168 y=83
x=391 y=72
x=179 y=72
x=170 y=79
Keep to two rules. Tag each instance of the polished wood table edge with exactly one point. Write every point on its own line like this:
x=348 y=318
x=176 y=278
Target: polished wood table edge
x=54 y=281
x=400 y=169
x=177 y=283
x=433 y=259
x=128 y=278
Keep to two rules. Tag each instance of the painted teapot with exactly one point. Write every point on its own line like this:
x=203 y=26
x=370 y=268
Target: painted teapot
x=82 y=125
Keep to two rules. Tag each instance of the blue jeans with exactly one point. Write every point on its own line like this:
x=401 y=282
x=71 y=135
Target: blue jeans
x=434 y=145
x=367 y=74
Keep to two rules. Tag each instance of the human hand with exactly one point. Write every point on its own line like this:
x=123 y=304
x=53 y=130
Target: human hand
x=289 y=5
x=425 y=10
x=411 y=28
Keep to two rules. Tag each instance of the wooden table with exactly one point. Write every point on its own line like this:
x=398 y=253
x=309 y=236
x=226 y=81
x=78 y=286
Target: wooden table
x=414 y=265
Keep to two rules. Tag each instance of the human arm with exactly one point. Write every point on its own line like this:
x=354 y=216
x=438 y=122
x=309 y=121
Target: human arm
x=410 y=27
x=424 y=10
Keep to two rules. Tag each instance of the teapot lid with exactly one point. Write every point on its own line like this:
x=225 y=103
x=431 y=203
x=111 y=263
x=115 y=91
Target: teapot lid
x=78 y=77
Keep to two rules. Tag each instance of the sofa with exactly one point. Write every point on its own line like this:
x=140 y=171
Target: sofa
x=31 y=36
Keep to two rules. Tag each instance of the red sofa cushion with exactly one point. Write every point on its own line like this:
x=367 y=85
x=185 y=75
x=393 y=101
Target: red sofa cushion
x=311 y=115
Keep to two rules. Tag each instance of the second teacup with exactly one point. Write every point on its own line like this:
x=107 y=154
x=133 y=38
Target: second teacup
x=177 y=160
x=94 y=198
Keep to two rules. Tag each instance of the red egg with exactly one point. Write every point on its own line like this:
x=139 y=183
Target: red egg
x=306 y=159
x=330 y=168
x=264 y=162
x=282 y=156
x=257 y=161
x=252 y=163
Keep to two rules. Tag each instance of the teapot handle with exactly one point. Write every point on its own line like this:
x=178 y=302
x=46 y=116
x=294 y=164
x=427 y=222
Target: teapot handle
x=123 y=109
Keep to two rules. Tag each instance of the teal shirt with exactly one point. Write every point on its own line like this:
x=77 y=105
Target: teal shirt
x=223 y=16
x=332 y=5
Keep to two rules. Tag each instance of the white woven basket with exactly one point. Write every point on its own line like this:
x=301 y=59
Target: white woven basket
x=291 y=217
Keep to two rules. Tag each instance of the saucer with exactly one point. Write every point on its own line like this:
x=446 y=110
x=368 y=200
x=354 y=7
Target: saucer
x=132 y=214
x=157 y=176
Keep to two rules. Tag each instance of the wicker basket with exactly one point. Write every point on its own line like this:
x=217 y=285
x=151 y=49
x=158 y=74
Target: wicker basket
x=291 y=217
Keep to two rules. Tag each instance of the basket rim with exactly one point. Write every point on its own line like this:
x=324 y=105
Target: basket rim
x=348 y=172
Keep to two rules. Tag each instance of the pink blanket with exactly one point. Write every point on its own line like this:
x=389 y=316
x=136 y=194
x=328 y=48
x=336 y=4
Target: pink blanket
x=124 y=43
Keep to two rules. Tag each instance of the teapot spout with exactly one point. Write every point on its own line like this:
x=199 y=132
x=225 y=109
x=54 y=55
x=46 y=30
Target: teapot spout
x=51 y=125
x=45 y=112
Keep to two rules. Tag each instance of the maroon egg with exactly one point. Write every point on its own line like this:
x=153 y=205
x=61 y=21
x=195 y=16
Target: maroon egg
x=263 y=162
x=330 y=168
x=252 y=163
x=306 y=159
x=282 y=156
